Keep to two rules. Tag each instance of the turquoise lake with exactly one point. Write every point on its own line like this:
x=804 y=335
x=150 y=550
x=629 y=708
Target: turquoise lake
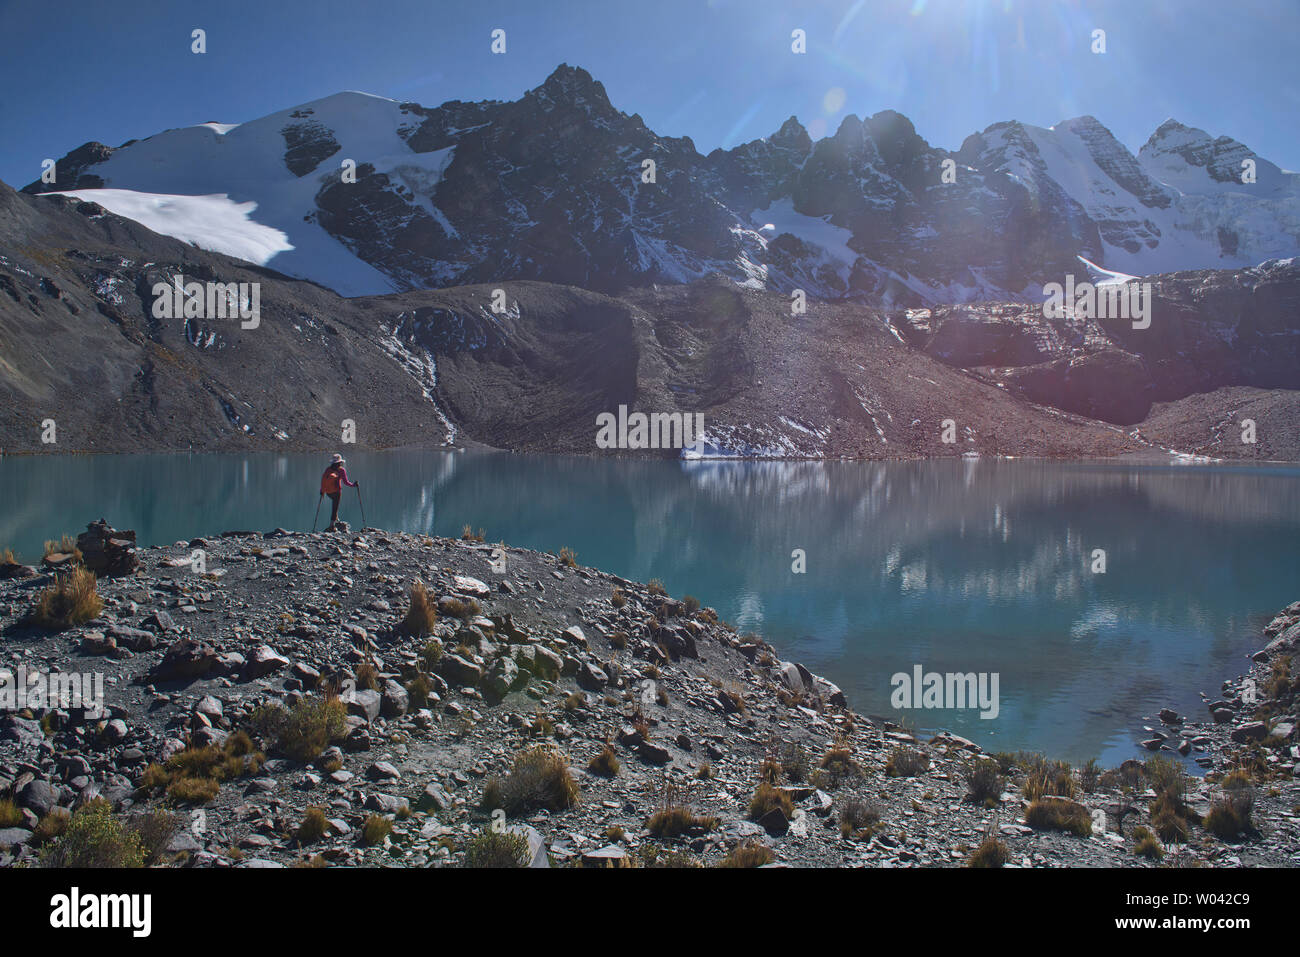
x=982 y=566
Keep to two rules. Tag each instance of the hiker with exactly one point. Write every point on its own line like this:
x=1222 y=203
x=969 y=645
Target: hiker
x=331 y=484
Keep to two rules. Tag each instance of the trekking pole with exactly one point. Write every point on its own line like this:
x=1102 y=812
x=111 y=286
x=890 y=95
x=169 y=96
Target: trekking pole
x=361 y=506
x=317 y=515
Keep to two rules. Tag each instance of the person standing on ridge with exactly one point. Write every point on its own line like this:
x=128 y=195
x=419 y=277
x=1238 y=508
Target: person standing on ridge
x=331 y=484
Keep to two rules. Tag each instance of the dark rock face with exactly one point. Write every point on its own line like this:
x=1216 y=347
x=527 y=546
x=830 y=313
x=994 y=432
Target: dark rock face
x=307 y=145
x=1113 y=386
x=70 y=172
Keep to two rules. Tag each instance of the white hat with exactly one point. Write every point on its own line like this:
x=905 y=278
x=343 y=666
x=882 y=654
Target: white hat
x=337 y=460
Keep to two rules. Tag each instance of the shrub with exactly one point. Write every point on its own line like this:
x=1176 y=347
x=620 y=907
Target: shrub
x=1230 y=813
x=539 y=779
x=303 y=731
x=794 y=761
x=568 y=557
x=749 y=854
x=1171 y=825
x=375 y=829
x=1089 y=775
x=858 y=819
x=313 y=826
x=618 y=599
x=468 y=534
x=906 y=763
x=985 y=782
x=154 y=830
x=1166 y=776
x=766 y=798
x=605 y=763
x=493 y=795
x=70 y=600
x=498 y=849
x=421 y=615
x=656 y=587
x=194 y=776
x=991 y=853
x=418 y=689
x=691 y=604
x=431 y=654
x=1146 y=845
x=769 y=770
x=94 y=838
x=1059 y=814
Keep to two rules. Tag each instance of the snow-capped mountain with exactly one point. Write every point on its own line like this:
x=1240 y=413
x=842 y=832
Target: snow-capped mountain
x=553 y=187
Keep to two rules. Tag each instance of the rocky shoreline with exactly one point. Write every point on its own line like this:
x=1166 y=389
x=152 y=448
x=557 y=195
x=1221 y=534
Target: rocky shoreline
x=281 y=699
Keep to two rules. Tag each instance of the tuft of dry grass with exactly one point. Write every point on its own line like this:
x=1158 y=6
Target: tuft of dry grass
x=66 y=545
x=71 y=600
x=605 y=763
x=749 y=854
x=1059 y=814
x=568 y=557
x=539 y=778
x=10 y=816
x=766 y=798
x=906 y=763
x=497 y=849
x=375 y=830
x=421 y=615
x=990 y=853
x=858 y=819
x=1145 y=844
x=313 y=826
x=368 y=676
x=675 y=821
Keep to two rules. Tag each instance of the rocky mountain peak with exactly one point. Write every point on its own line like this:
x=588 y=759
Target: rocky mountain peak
x=573 y=86
x=792 y=135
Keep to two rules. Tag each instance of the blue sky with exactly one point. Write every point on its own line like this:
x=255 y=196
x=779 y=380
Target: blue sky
x=719 y=71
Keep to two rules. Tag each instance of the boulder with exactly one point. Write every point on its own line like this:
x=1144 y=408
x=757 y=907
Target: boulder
x=1250 y=731
x=459 y=671
x=503 y=676
x=396 y=702
x=186 y=659
x=106 y=551
x=262 y=661
x=591 y=677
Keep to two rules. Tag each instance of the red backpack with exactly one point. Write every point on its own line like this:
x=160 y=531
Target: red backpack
x=329 y=482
